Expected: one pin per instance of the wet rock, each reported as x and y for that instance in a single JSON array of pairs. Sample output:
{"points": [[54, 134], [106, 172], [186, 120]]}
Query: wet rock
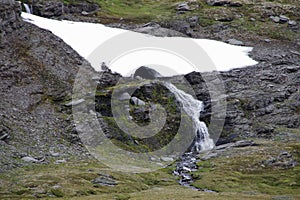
{"points": [[235, 42]]}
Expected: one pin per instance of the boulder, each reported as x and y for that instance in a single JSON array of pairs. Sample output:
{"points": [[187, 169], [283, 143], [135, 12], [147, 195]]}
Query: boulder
{"points": [[223, 3], [147, 73]]}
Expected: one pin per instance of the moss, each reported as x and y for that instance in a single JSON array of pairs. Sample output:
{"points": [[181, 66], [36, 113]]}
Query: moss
{"points": [[57, 192]]}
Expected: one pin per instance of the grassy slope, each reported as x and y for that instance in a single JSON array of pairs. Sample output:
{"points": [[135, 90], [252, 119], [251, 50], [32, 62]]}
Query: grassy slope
{"points": [[236, 174], [142, 11]]}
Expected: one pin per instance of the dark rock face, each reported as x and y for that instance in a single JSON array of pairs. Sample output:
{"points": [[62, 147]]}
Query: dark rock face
{"points": [[146, 73], [10, 16], [150, 94], [37, 71], [259, 99], [56, 9]]}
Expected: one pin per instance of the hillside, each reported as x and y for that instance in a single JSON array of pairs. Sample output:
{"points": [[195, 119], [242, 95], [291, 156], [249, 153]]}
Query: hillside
{"points": [[43, 156]]}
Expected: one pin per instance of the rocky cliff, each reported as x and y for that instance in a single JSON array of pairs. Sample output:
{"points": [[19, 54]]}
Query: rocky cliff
{"points": [[37, 72]]}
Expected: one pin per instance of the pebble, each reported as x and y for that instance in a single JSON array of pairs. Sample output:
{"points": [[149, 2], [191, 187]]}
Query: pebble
{"points": [[292, 23]]}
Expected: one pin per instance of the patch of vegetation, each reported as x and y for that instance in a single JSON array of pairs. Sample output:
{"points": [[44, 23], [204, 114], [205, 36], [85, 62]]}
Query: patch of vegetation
{"points": [[243, 173], [75, 179]]}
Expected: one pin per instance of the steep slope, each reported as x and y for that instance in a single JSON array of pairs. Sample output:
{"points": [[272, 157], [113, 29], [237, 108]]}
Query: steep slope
{"points": [[37, 71]]}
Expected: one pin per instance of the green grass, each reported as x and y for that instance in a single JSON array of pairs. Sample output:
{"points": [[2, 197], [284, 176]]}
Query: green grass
{"points": [[243, 173], [237, 174]]}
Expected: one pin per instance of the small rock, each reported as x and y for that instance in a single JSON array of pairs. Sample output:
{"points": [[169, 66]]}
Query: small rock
{"points": [[167, 159], [267, 40], [4, 136], [292, 23], [275, 19], [193, 21], [283, 18], [75, 102], [137, 101], [252, 19], [55, 154], [235, 42], [186, 177], [243, 143], [84, 13], [186, 169], [30, 159], [60, 161], [183, 7]]}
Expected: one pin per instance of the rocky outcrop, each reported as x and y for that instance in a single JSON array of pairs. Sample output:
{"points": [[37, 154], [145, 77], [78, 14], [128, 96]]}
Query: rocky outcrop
{"points": [[57, 9], [260, 99], [37, 72], [146, 73]]}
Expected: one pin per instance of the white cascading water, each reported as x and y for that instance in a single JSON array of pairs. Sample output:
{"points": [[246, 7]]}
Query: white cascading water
{"points": [[26, 6], [193, 107]]}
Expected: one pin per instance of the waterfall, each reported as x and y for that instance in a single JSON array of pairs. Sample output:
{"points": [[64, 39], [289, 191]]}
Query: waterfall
{"points": [[27, 8], [193, 107]]}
